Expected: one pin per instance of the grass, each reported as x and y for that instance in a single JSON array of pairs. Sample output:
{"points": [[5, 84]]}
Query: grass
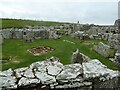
{"points": [[19, 23], [15, 50], [111, 53]]}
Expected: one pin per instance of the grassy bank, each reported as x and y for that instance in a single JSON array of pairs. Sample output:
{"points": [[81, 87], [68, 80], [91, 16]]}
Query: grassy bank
{"points": [[19, 23]]}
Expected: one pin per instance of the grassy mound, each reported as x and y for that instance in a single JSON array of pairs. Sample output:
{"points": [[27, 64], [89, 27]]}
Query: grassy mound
{"points": [[19, 23], [15, 51]]}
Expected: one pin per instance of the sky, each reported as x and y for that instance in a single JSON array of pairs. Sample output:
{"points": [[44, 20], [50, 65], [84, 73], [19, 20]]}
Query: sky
{"points": [[103, 12]]}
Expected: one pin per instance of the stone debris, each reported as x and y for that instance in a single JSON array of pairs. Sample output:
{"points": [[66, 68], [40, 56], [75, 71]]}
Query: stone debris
{"points": [[51, 72]]}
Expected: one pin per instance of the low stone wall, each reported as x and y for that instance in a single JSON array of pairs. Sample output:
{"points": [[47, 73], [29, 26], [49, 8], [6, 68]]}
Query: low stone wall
{"points": [[50, 74], [80, 35], [104, 50]]}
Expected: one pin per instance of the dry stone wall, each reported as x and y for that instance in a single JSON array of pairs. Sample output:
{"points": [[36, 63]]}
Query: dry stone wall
{"points": [[29, 34], [51, 74]]}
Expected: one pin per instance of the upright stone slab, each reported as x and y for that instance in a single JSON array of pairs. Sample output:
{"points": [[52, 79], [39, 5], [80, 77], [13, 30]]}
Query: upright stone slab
{"points": [[1, 39], [104, 50], [77, 57]]}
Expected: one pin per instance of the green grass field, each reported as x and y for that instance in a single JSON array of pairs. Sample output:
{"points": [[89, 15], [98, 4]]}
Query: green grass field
{"points": [[18, 23], [16, 49]]}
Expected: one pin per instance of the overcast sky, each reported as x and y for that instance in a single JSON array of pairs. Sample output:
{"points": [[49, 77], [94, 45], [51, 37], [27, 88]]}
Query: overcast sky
{"points": [[84, 11]]}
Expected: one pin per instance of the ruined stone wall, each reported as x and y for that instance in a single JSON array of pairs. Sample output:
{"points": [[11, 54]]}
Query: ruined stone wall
{"points": [[113, 41], [104, 50], [28, 34], [50, 74]]}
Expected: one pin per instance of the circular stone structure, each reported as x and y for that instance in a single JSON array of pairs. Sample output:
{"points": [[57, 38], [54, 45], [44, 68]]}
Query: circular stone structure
{"points": [[40, 50]]}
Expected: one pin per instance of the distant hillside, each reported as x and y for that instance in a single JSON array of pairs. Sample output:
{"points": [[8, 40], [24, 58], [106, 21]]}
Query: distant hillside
{"points": [[19, 23]]}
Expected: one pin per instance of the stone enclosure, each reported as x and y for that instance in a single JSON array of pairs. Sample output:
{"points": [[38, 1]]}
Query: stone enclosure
{"points": [[50, 73], [40, 50]]}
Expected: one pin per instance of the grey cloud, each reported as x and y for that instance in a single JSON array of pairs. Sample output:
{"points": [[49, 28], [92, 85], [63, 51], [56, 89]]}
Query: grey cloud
{"points": [[85, 12]]}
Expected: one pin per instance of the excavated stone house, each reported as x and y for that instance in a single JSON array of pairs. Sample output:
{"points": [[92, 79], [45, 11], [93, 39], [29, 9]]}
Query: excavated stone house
{"points": [[29, 34]]}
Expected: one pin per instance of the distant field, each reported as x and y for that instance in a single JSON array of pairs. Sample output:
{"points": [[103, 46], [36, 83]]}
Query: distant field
{"points": [[17, 50], [18, 23]]}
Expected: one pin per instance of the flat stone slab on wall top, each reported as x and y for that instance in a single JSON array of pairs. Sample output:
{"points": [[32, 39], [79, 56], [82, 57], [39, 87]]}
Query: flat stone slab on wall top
{"points": [[28, 81], [70, 72], [95, 68]]}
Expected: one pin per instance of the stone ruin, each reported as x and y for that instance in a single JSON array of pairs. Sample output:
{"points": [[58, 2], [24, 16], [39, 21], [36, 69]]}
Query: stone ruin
{"points": [[95, 32], [113, 41], [110, 33], [50, 74], [29, 34], [80, 35], [78, 57], [117, 55], [104, 50], [40, 50]]}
